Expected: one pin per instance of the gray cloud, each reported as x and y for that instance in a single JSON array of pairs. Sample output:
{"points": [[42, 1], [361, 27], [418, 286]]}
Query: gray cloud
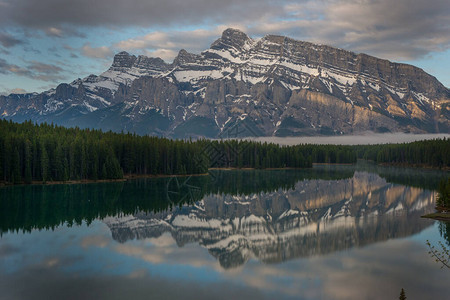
{"points": [[44, 68], [6, 250], [399, 30], [102, 52], [34, 70], [7, 68], [52, 13], [54, 51], [17, 91], [49, 281], [68, 47], [8, 41], [62, 32], [32, 49], [167, 44], [393, 29]]}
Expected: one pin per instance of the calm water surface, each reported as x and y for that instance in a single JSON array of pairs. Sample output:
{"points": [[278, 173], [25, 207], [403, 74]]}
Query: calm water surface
{"points": [[340, 232]]}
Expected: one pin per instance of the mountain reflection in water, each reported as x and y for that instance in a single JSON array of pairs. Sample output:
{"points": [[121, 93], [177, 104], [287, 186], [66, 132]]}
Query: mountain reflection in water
{"points": [[312, 217], [273, 215]]}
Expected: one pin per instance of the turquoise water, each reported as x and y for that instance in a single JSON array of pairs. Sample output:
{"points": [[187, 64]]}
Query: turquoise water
{"points": [[333, 232]]}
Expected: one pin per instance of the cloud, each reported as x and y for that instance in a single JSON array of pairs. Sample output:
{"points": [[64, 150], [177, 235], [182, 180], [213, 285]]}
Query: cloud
{"points": [[17, 91], [59, 32], [34, 70], [152, 257], [54, 51], [52, 13], [43, 68], [53, 31], [68, 47], [7, 250], [150, 40], [166, 45], [401, 29], [6, 68], [99, 241], [354, 274], [31, 49], [394, 30], [8, 41], [56, 283], [102, 52], [165, 54], [398, 30]]}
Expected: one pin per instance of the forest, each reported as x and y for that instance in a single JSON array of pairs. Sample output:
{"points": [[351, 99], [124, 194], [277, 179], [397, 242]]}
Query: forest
{"points": [[45, 152], [430, 153]]}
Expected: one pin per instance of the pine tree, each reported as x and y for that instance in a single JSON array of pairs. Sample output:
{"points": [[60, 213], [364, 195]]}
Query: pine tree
{"points": [[28, 175], [402, 295], [58, 163], [16, 178], [443, 199], [44, 163]]}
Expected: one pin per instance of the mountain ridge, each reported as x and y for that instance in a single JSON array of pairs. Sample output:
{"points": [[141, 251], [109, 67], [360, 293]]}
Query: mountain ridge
{"points": [[280, 86]]}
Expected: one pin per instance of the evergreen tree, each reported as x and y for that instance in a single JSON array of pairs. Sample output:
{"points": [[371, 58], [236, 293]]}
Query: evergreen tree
{"points": [[28, 174], [16, 172], [443, 199], [44, 163]]}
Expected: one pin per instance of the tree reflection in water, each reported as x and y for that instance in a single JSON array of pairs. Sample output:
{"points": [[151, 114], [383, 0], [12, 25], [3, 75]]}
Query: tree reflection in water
{"points": [[442, 253]]}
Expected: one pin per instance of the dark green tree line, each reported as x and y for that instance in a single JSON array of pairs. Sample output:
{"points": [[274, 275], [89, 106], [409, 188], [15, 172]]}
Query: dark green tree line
{"points": [[431, 153], [51, 153], [30, 152], [45, 152]]}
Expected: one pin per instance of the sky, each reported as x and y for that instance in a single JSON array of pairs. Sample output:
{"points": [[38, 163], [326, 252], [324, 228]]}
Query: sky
{"points": [[47, 42]]}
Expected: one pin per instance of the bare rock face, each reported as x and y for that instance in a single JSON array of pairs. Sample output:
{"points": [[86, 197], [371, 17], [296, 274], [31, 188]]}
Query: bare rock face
{"points": [[280, 86], [184, 58], [123, 60], [232, 39]]}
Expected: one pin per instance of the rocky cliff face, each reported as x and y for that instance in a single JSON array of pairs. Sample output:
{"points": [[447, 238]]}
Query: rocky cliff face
{"points": [[280, 86], [313, 218]]}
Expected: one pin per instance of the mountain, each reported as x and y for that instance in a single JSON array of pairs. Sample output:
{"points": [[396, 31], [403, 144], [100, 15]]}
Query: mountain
{"points": [[314, 217], [273, 86]]}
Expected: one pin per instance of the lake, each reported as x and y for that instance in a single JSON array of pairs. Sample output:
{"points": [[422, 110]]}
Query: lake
{"points": [[330, 232]]}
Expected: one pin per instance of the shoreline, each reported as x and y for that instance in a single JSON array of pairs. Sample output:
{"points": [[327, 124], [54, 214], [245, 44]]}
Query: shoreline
{"points": [[413, 166], [87, 181], [249, 169], [137, 176], [438, 216]]}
